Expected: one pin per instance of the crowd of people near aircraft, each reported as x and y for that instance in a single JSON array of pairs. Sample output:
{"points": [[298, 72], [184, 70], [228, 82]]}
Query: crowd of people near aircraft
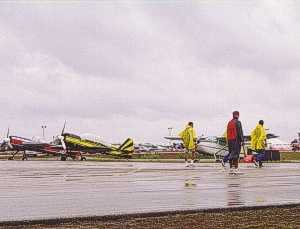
{"points": [[230, 145]]}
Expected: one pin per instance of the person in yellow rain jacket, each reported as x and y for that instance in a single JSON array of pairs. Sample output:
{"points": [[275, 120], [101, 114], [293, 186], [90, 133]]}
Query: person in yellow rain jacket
{"points": [[189, 138], [258, 143]]}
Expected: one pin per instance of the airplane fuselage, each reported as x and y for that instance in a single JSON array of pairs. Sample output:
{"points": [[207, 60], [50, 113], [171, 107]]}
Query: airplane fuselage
{"points": [[24, 144]]}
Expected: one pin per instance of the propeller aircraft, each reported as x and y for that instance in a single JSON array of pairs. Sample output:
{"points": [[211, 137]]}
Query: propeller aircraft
{"points": [[74, 143], [17, 144], [66, 145]]}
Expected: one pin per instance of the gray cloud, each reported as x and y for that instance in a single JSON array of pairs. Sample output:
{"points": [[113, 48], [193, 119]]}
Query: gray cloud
{"points": [[136, 68]]}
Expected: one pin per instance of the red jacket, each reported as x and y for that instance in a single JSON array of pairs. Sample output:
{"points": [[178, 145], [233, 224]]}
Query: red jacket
{"points": [[235, 130]]}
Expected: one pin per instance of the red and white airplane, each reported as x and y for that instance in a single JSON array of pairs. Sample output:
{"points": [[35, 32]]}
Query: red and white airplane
{"points": [[16, 144]]}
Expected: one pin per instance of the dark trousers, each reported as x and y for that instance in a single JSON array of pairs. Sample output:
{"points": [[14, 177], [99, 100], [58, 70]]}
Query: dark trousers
{"points": [[260, 156], [226, 158], [234, 147]]}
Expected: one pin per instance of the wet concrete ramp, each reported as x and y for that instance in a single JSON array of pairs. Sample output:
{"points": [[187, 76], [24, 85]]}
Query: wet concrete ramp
{"points": [[54, 189]]}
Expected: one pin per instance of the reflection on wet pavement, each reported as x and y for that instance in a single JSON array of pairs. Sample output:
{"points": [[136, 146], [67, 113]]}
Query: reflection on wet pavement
{"points": [[50, 189], [234, 197]]}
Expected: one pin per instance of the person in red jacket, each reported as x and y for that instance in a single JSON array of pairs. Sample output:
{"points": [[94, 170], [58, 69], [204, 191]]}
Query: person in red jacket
{"points": [[235, 138]]}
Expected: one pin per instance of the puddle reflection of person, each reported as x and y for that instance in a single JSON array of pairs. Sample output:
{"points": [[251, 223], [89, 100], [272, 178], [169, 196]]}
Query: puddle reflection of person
{"points": [[234, 194], [189, 195]]}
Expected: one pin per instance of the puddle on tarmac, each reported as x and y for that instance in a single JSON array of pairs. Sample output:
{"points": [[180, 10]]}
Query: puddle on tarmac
{"points": [[47, 189]]}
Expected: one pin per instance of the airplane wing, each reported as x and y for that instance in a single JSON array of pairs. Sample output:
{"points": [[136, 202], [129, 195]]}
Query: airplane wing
{"points": [[270, 136], [75, 142], [35, 144], [173, 138], [180, 139], [42, 147], [247, 138]]}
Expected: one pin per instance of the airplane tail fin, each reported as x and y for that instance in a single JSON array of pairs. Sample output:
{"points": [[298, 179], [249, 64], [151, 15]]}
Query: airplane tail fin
{"points": [[127, 148]]}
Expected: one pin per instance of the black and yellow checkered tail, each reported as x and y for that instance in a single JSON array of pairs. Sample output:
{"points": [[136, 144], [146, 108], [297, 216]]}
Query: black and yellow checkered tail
{"points": [[127, 148]]}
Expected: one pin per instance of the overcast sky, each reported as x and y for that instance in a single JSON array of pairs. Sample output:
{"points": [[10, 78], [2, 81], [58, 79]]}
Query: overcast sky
{"points": [[134, 68]]}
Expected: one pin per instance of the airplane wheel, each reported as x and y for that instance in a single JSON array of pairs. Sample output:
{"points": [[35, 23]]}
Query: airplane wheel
{"points": [[63, 158], [83, 158]]}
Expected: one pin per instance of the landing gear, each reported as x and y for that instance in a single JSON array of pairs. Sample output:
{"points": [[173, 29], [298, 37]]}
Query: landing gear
{"points": [[12, 157], [64, 157], [24, 156], [78, 157]]}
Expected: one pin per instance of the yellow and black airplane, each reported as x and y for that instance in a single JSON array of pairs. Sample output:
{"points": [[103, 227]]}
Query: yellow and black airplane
{"points": [[74, 145]]}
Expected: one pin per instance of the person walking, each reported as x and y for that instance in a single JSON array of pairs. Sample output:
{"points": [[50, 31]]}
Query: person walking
{"points": [[189, 138], [235, 139], [259, 143]]}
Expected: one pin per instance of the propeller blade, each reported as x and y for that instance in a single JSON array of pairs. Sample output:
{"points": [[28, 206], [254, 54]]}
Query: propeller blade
{"points": [[7, 135], [9, 145], [6, 143], [63, 129], [63, 145], [61, 138]]}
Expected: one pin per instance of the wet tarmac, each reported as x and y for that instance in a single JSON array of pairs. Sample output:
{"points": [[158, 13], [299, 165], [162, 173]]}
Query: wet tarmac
{"points": [[55, 189]]}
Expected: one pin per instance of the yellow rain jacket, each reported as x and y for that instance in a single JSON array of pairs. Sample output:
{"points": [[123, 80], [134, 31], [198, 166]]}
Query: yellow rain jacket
{"points": [[258, 138], [189, 138]]}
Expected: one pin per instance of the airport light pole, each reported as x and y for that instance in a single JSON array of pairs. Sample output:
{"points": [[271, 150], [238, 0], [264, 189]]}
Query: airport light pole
{"points": [[44, 127], [170, 131], [170, 135]]}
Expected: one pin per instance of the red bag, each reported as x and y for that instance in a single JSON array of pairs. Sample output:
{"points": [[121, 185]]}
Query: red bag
{"points": [[249, 159]]}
